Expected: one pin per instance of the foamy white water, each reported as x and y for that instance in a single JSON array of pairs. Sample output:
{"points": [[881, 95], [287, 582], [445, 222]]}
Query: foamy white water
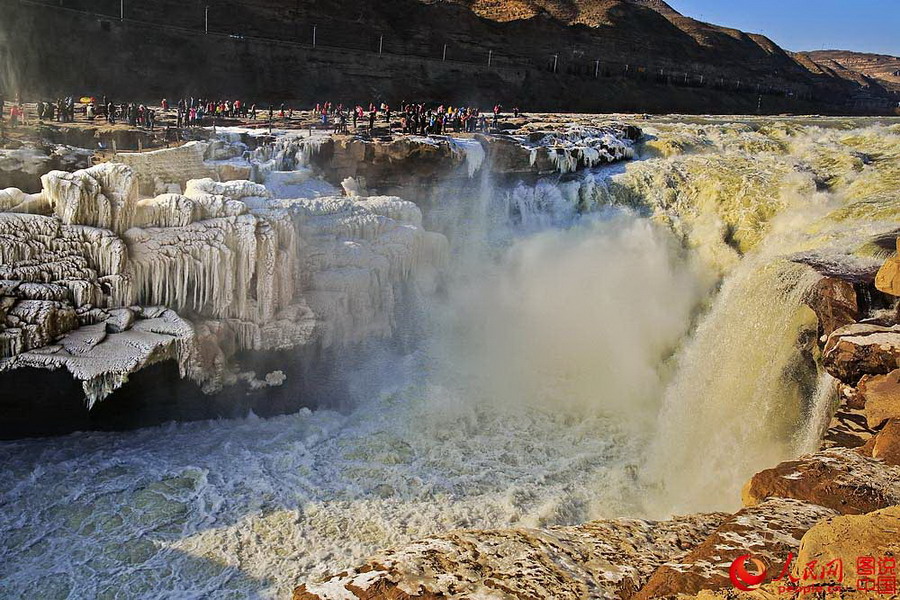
{"points": [[567, 377]]}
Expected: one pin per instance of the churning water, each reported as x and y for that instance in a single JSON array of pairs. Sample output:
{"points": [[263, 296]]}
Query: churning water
{"points": [[640, 359]]}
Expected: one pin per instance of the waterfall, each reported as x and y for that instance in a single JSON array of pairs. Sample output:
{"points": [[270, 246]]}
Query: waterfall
{"points": [[621, 342]]}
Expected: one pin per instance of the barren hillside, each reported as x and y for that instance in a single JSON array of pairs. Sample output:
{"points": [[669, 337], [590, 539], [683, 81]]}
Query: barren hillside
{"points": [[884, 69]]}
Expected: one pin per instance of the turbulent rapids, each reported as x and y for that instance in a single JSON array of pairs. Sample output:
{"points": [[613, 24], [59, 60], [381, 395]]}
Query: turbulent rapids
{"points": [[625, 340]]}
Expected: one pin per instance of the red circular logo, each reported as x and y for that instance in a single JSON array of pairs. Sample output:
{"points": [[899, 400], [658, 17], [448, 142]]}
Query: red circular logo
{"points": [[741, 578]]}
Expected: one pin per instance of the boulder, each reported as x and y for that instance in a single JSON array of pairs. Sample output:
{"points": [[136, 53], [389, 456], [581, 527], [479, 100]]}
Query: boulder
{"points": [[602, 559], [768, 532], [885, 446], [861, 349], [888, 278], [848, 429], [882, 395], [847, 538], [834, 302], [840, 478]]}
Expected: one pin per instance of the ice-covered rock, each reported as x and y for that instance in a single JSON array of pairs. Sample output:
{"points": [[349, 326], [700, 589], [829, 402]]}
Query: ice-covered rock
{"points": [[15, 200], [103, 362], [104, 196], [158, 169], [252, 272]]}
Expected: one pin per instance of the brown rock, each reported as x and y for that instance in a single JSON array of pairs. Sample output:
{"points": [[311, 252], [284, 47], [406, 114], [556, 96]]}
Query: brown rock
{"points": [[882, 396], [848, 429], [846, 538], [839, 478], [834, 302], [855, 398], [602, 559], [861, 349], [888, 278], [886, 445], [768, 531]]}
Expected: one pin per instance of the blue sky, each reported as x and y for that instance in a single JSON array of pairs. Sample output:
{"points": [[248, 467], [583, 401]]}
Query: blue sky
{"points": [[861, 25]]}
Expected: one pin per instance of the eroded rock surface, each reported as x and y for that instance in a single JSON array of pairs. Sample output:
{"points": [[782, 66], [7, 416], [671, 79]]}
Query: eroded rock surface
{"points": [[888, 278], [834, 302], [841, 479], [768, 531], [847, 538], [862, 349], [602, 559], [882, 398]]}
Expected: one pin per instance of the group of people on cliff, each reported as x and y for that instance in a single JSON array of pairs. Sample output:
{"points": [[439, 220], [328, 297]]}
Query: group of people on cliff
{"points": [[196, 112], [414, 118], [62, 110], [411, 118]]}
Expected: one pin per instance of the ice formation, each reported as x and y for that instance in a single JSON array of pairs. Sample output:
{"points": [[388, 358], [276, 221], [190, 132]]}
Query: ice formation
{"points": [[580, 147], [79, 261]]}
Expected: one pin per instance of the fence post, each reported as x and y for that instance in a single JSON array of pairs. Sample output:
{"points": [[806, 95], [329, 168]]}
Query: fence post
{"points": [[490, 57], [206, 19], [597, 70], [121, 10], [444, 58], [555, 62], [314, 35], [381, 45]]}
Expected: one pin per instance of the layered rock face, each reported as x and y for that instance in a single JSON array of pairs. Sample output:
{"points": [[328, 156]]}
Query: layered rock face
{"points": [[94, 276]]}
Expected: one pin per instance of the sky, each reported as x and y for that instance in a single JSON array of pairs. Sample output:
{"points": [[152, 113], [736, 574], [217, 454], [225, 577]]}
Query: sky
{"points": [[860, 25]]}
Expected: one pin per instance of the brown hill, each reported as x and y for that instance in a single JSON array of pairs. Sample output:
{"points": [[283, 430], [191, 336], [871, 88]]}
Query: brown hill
{"points": [[858, 66]]}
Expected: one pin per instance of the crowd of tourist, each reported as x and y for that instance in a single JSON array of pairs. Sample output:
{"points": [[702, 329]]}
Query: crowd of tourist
{"points": [[413, 118], [188, 112]]}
